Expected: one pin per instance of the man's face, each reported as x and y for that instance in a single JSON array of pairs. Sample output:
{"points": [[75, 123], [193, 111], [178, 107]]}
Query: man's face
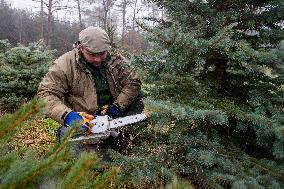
{"points": [[94, 58]]}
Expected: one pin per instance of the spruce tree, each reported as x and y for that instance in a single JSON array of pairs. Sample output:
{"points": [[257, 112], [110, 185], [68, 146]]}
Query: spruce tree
{"points": [[215, 97], [21, 70]]}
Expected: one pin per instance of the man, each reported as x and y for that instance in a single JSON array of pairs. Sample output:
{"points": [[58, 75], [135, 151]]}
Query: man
{"points": [[83, 81]]}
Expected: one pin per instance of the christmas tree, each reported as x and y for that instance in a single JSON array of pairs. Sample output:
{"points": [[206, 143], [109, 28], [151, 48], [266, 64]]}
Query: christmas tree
{"points": [[215, 93], [22, 68]]}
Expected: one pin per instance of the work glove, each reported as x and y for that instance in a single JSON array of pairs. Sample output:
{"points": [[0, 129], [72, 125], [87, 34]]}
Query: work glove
{"points": [[83, 118], [114, 111]]}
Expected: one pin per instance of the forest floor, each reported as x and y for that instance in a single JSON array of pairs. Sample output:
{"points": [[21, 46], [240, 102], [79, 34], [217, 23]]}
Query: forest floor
{"points": [[37, 134]]}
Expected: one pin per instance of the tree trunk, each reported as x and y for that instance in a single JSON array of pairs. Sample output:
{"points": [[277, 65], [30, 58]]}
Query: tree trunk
{"points": [[154, 11], [79, 12], [134, 15], [220, 72], [105, 5], [21, 28], [123, 20], [109, 20], [41, 20], [49, 21]]}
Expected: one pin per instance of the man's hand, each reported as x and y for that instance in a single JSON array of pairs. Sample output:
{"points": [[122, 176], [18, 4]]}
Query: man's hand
{"points": [[83, 118], [114, 111]]}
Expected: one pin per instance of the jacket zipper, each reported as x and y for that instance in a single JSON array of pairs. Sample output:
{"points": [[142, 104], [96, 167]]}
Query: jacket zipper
{"points": [[91, 78], [114, 82]]}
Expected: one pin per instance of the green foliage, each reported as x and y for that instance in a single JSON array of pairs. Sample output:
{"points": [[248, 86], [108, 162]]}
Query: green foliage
{"points": [[22, 68], [280, 54], [50, 126], [4, 46], [258, 22], [215, 96], [56, 169], [178, 184]]}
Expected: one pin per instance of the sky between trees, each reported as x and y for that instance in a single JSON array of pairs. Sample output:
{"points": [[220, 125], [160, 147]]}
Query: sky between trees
{"points": [[142, 10]]}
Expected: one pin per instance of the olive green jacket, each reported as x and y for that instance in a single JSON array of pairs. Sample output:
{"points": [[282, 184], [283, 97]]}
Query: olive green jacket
{"points": [[68, 86]]}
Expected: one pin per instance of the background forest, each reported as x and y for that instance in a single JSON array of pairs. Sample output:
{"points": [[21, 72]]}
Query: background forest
{"points": [[213, 81]]}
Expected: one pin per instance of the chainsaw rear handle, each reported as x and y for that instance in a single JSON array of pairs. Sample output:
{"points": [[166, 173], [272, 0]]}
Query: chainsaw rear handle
{"points": [[111, 110]]}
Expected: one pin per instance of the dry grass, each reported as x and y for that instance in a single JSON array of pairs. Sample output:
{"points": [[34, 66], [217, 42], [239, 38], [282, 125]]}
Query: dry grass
{"points": [[38, 134]]}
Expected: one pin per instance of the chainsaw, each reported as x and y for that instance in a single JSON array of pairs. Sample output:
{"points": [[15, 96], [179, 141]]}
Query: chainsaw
{"points": [[103, 126]]}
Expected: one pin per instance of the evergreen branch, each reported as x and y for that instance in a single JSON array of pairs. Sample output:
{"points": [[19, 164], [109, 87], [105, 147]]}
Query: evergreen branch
{"points": [[201, 181], [256, 60], [267, 169], [224, 35], [34, 109], [78, 170], [106, 178], [66, 139], [210, 146], [6, 160], [225, 154], [23, 181], [160, 36], [182, 44], [76, 180]]}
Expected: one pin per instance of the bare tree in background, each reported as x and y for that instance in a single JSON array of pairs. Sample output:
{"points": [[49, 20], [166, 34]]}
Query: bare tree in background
{"points": [[24, 31], [107, 4], [102, 11], [123, 7], [152, 11], [52, 6], [79, 14], [155, 11], [134, 15], [21, 27], [41, 20], [100, 14]]}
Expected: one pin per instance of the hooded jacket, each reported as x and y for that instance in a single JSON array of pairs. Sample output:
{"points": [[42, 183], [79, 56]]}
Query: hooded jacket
{"points": [[68, 86]]}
